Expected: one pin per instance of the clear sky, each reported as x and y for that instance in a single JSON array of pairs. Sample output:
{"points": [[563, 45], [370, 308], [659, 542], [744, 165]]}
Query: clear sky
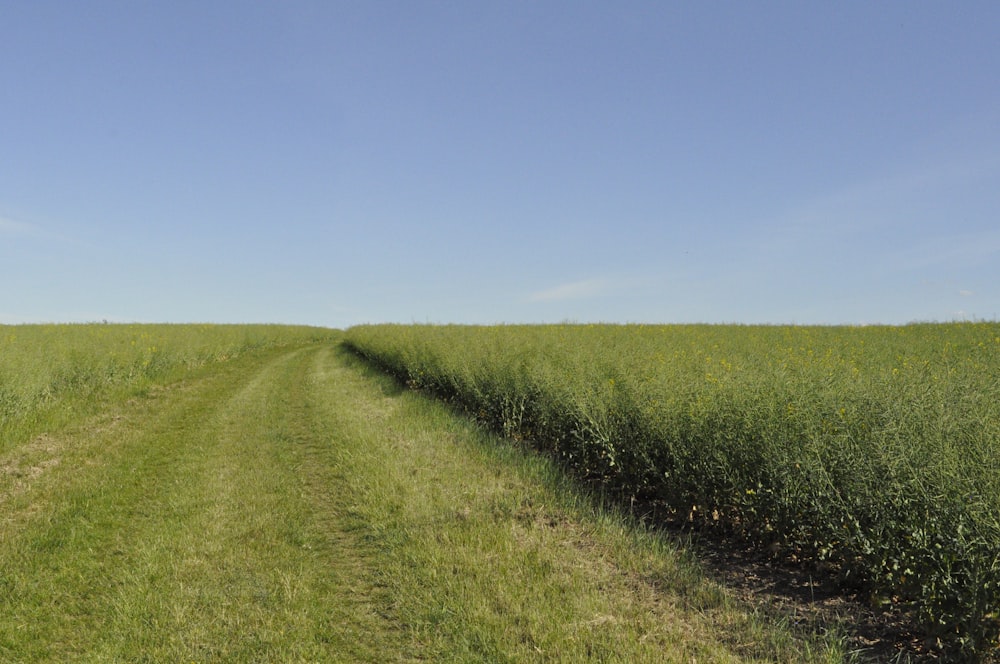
{"points": [[335, 163]]}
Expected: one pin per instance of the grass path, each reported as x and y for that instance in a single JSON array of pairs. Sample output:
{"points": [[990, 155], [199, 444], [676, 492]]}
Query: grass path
{"points": [[292, 506]]}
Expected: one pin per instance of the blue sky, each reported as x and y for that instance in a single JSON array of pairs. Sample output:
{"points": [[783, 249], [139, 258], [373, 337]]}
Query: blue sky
{"points": [[335, 163]]}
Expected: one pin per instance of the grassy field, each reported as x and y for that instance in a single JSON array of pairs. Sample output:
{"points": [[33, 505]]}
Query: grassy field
{"points": [[265, 496], [48, 372], [873, 451]]}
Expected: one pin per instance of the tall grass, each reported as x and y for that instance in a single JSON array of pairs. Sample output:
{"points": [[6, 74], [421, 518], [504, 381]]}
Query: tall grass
{"points": [[45, 368], [874, 449]]}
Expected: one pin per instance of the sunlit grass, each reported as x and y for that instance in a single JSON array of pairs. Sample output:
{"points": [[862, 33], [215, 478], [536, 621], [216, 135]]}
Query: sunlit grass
{"points": [[55, 370]]}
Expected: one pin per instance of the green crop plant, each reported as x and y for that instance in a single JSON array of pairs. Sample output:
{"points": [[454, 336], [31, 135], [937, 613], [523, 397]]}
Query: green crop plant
{"points": [[873, 449]]}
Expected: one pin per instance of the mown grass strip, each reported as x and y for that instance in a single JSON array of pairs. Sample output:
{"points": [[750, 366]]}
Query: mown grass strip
{"points": [[52, 374], [187, 532]]}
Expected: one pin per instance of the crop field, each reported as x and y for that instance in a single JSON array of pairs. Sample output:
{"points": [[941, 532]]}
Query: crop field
{"points": [[205, 493], [48, 370], [871, 451]]}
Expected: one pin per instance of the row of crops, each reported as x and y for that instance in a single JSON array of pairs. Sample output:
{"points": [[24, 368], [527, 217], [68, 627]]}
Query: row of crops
{"points": [[873, 449], [45, 365]]}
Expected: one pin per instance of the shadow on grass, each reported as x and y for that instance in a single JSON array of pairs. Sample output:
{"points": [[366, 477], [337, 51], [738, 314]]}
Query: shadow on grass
{"points": [[389, 388]]}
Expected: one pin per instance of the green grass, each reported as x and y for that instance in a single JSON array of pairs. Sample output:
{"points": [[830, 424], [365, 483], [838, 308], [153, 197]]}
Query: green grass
{"points": [[290, 505], [177, 529], [874, 450], [51, 373]]}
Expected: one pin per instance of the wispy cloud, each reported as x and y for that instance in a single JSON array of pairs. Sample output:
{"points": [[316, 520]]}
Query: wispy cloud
{"points": [[11, 227], [905, 201], [576, 290], [591, 288], [958, 250]]}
